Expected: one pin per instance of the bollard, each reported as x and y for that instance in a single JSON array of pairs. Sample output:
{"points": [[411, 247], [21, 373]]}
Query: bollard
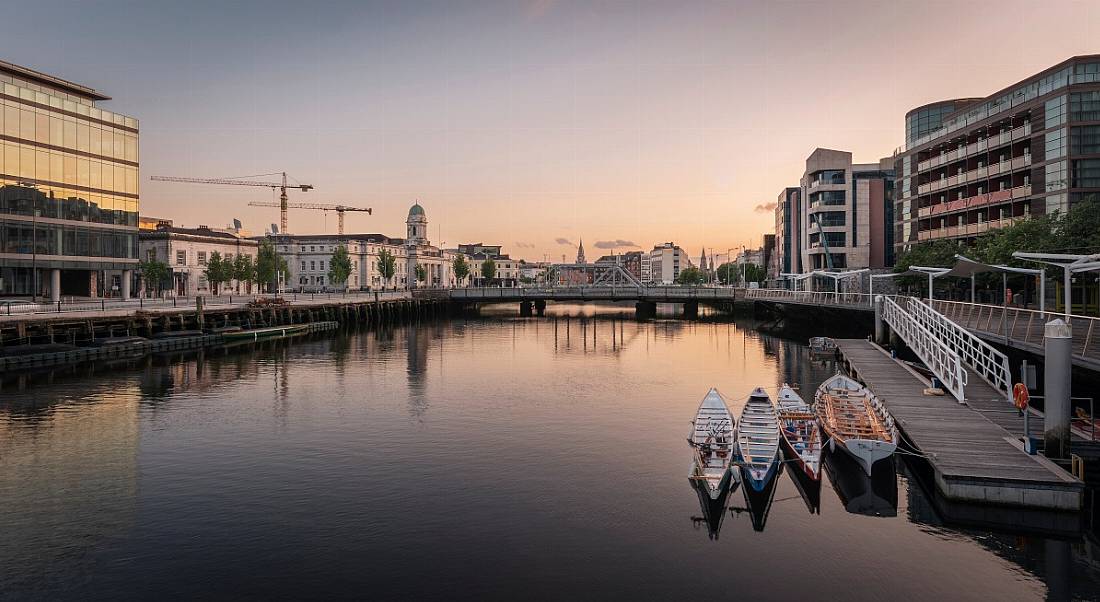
{"points": [[1057, 368]]}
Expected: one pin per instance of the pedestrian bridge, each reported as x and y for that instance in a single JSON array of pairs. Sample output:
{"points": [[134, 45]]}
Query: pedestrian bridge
{"points": [[651, 294]]}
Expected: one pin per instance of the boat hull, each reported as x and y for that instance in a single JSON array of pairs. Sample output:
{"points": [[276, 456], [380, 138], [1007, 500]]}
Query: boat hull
{"points": [[789, 452], [756, 477], [868, 451]]}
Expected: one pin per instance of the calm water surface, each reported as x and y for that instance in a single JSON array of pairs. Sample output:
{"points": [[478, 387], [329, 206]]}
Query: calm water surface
{"points": [[493, 457]]}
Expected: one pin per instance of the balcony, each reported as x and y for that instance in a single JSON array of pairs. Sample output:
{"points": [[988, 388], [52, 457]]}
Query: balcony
{"points": [[974, 148], [966, 229], [980, 200]]}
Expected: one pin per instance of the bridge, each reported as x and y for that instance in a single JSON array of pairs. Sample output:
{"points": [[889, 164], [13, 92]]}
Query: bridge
{"points": [[645, 297]]}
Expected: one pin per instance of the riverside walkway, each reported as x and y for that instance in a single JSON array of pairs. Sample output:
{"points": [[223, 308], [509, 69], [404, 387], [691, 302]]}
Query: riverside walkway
{"points": [[975, 459]]}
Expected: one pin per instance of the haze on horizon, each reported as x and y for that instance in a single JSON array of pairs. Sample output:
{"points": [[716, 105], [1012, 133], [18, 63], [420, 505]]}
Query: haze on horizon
{"points": [[530, 122]]}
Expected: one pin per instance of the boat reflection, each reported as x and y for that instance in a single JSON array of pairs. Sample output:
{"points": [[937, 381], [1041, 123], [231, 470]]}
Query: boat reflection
{"points": [[713, 510], [809, 489], [860, 494], [759, 503]]}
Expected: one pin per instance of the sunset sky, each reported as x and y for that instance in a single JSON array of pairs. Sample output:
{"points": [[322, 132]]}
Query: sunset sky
{"points": [[528, 123]]}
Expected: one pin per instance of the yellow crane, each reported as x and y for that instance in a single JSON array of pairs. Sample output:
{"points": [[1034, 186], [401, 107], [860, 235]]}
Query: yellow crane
{"points": [[281, 187], [339, 209]]}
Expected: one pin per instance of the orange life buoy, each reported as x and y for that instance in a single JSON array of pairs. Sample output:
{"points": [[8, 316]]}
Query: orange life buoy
{"points": [[1020, 396]]}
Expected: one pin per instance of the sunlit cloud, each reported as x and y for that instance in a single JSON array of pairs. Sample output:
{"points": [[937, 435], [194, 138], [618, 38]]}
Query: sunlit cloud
{"points": [[764, 207], [525, 245], [614, 244], [565, 241]]}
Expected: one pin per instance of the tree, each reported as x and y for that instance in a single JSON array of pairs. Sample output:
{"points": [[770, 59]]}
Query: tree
{"points": [[339, 266], [217, 271], [387, 264], [421, 273], [729, 273], [244, 271], [489, 270], [461, 268], [691, 275], [755, 273], [155, 273], [268, 265]]}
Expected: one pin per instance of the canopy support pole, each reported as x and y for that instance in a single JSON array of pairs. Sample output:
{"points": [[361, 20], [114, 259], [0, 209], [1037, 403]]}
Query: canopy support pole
{"points": [[973, 299], [1043, 294]]}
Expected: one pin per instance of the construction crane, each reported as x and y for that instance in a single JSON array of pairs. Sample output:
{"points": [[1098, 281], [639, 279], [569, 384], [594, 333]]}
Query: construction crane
{"points": [[339, 209], [281, 187]]}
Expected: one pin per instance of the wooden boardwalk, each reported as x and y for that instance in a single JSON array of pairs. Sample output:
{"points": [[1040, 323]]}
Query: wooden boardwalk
{"points": [[974, 457]]}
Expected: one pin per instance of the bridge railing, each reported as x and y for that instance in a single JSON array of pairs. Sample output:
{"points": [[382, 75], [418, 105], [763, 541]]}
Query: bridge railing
{"points": [[987, 362], [651, 293], [1018, 325], [814, 297], [941, 359], [17, 308]]}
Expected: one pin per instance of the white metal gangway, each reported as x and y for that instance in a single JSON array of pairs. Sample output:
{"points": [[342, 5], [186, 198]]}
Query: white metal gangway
{"points": [[986, 361], [940, 358]]}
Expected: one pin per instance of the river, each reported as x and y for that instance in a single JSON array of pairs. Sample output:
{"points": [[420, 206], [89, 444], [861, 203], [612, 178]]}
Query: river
{"points": [[485, 457]]}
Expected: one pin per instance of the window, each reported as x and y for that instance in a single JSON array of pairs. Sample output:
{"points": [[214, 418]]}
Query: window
{"points": [[151, 254], [830, 218], [303, 266], [181, 257], [1056, 143], [827, 197], [1084, 106], [1084, 140], [322, 265], [202, 257], [1086, 173], [313, 265], [1056, 112], [1056, 176]]}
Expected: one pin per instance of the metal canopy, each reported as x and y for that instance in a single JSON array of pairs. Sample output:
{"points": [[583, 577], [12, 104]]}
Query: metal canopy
{"points": [[967, 268], [1070, 263]]}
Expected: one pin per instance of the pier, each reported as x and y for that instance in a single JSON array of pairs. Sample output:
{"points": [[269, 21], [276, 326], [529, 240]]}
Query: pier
{"points": [[974, 457]]}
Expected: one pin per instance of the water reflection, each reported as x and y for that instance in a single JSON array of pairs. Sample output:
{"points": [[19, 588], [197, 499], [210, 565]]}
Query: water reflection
{"points": [[759, 503], [809, 489], [713, 511], [876, 495]]}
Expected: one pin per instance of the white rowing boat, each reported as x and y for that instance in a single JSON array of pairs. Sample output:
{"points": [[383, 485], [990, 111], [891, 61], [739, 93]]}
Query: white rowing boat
{"points": [[822, 346], [853, 418], [758, 439], [712, 440], [798, 425]]}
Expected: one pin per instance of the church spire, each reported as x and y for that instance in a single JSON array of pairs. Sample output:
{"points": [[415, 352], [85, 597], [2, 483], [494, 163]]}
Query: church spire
{"points": [[580, 252]]}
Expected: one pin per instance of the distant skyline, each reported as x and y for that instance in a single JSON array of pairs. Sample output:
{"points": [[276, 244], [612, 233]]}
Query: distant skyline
{"points": [[530, 124]]}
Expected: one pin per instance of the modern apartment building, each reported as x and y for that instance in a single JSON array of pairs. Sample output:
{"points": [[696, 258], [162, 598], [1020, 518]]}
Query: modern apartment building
{"points": [[973, 164], [665, 263], [846, 218], [788, 239], [68, 189]]}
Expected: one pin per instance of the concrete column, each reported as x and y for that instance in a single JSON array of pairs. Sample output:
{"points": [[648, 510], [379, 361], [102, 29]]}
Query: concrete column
{"points": [[691, 309], [642, 310], [1058, 350], [55, 285], [540, 307], [882, 330], [126, 276], [525, 309]]}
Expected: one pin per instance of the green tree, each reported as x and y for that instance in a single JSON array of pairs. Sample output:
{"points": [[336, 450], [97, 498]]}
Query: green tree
{"points": [[489, 270], [755, 273], [244, 271], [421, 273], [339, 266], [269, 265], [461, 268], [690, 275], [729, 273], [387, 264], [154, 273], [217, 271]]}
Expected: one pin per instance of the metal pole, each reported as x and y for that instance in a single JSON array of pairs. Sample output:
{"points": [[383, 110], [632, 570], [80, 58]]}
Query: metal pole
{"points": [[1058, 349], [930, 296], [1066, 296], [1042, 294], [882, 333], [973, 299]]}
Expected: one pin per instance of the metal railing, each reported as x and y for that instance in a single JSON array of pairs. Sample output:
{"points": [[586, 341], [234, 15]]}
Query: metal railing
{"points": [[687, 293], [988, 363], [943, 361], [815, 297], [1015, 325]]}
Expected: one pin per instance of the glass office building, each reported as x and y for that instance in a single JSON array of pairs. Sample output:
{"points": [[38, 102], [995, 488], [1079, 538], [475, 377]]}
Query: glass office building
{"points": [[68, 189]]}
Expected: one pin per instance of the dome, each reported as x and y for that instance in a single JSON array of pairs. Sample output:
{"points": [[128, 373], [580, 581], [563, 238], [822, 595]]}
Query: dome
{"points": [[416, 210]]}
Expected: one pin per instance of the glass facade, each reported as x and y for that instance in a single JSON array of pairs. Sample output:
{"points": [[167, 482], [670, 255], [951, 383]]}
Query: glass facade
{"points": [[922, 121], [68, 186]]}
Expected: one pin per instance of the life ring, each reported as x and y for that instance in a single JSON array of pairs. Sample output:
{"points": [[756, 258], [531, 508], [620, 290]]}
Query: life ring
{"points": [[1020, 397]]}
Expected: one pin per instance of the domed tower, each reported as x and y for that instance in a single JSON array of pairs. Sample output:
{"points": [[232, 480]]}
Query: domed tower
{"points": [[417, 233]]}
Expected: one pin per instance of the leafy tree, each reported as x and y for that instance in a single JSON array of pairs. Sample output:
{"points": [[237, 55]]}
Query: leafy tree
{"points": [[268, 265], [729, 273], [244, 271], [489, 269], [217, 271], [387, 264], [460, 267], [421, 273], [755, 273], [691, 275], [339, 266], [155, 273]]}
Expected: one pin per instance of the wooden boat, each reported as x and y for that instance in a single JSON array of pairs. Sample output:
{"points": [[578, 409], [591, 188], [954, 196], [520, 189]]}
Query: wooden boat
{"points": [[712, 439], [801, 437], [758, 440], [822, 347], [854, 419], [256, 334]]}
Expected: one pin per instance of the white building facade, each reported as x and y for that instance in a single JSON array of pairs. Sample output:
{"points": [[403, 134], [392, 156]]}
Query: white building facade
{"points": [[187, 253], [664, 264]]}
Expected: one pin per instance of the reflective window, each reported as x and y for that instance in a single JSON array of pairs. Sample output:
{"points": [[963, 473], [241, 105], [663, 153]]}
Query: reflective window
{"points": [[1086, 173], [1055, 112], [1056, 143], [1056, 176]]}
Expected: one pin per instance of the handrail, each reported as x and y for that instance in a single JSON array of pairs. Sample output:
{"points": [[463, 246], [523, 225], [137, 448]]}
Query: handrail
{"points": [[943, 361], [815, 297], [1016, 325], [989, 363]]}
